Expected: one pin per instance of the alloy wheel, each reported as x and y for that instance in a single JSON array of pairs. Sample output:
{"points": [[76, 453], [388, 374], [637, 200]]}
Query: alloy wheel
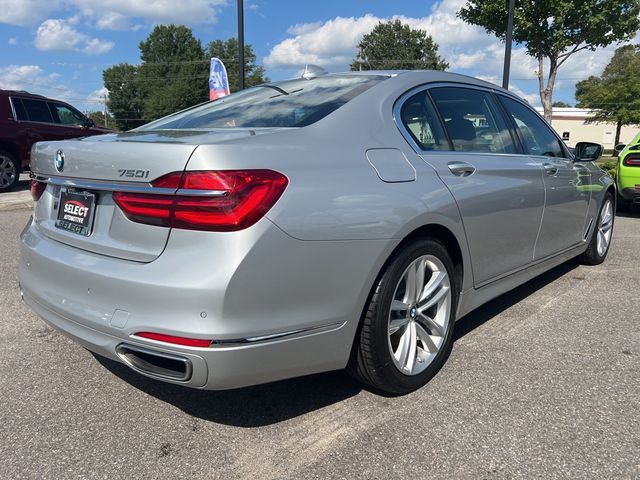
{"points": [[605, 228], [7, 172], [419, 315]]}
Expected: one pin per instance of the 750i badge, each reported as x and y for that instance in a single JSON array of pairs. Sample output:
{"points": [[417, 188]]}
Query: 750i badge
{"points": [[75, 212]]}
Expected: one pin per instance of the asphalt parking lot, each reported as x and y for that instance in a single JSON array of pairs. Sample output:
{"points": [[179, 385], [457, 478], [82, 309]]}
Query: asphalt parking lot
{"points": [[543, 382]]}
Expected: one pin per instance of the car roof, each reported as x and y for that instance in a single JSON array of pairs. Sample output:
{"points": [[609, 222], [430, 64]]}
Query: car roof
{"points": [[426, 76], [24, 93]]}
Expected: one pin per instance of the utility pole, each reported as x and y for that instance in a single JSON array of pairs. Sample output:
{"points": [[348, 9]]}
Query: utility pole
{"points": [[241, 44], [104, 109], [507, 46]]}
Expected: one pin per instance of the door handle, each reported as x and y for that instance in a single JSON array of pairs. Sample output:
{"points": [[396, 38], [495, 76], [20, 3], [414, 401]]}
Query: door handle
{"points": [[550, 169], [461, 169]]}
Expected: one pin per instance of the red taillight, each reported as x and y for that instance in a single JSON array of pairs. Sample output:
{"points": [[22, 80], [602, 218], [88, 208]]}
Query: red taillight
{"points": [[221, 200], [188, 342], [632, 161], [37, 189]]}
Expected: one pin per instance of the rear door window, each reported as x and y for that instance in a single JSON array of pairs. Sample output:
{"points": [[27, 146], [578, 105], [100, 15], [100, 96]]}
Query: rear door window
{"points": [[21, 113], [421, 121], [537, 137], [472, 120], [37, 111]]}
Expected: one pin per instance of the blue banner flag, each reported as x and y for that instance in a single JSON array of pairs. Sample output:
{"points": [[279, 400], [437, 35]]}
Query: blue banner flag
{"points": [[218, 81]]}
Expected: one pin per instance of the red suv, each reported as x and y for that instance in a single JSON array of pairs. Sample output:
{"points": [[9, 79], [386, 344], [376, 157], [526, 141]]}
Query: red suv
{"points": [[25, 119]]}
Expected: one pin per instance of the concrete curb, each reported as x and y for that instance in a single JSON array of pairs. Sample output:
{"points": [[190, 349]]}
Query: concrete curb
{"points": [[15, 200]]}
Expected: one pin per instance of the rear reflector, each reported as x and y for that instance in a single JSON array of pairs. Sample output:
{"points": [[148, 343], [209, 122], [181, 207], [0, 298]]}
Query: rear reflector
{"points": [[224, 200], [37, 189], [188, 342]]}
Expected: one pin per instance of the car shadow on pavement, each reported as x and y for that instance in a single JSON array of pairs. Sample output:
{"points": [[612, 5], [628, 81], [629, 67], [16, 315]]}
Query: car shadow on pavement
{"points": [[251, 406], [633, 212], [486, 312], [279, 401]]}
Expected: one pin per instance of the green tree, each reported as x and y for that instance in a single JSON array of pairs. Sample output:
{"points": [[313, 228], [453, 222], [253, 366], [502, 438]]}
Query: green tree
{"points": [[227, 51], [99, 119], [555, 30], [173, 73], [396, 46], [615, 95], [126, 99], [561, 104]]}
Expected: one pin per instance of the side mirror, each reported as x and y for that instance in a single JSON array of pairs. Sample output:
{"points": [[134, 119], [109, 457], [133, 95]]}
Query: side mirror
{"points": [[88, 123], [618, 148], [587, 152]]}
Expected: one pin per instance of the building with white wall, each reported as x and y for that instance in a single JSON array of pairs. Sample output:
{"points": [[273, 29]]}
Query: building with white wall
{"points": [[572, 125]]}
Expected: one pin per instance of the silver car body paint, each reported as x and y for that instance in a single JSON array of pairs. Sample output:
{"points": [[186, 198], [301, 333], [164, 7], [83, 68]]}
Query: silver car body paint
{"points": [[284, 297]]}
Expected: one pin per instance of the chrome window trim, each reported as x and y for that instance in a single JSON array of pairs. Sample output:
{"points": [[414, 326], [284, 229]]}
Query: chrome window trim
{"points": [[397, 106], [13, 110], [130, 187]]}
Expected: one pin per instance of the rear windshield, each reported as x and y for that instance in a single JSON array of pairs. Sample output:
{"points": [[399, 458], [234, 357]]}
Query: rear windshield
{"points": [[292, 103]]}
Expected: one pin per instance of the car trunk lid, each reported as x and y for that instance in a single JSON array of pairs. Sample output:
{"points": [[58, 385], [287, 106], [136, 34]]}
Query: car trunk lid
{"points": [[94, 168]]}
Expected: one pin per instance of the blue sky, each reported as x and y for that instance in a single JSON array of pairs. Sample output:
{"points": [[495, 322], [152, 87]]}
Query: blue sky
{"points": [[60, 47]]}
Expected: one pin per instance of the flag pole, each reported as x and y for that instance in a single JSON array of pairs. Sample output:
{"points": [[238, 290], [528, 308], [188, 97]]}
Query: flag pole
{"points": [[241, 44]]}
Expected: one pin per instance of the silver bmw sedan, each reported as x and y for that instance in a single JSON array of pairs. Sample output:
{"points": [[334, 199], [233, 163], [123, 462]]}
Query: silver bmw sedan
{"points": [[337, 221]]}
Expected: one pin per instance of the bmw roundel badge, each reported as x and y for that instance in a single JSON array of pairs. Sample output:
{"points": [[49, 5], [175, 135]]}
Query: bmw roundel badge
{"points": [[59, 161]]}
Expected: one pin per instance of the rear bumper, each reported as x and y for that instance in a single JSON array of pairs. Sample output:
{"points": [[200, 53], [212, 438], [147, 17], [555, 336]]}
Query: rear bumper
{"points": [[213, 369], [275, 307], [630, 194]]}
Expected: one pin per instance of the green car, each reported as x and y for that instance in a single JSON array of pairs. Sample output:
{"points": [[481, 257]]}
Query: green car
{"points": [[628, 177]]}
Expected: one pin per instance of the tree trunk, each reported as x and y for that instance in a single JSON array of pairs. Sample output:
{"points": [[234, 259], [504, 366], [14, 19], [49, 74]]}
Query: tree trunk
{"points": [[546, 92], [617, 140]]}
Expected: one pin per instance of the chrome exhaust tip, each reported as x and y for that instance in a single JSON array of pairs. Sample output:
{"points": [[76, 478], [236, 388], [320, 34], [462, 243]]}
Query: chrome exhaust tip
{"points": [[155, 364]]}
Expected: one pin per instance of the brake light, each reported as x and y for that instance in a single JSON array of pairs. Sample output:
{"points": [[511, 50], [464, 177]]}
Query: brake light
{"points": [[37, 189], [632, 161], [224, 200], [161, 337]]}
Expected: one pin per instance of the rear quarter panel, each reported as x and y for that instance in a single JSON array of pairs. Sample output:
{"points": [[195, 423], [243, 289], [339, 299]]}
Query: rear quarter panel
{"points": [[334, 193]]}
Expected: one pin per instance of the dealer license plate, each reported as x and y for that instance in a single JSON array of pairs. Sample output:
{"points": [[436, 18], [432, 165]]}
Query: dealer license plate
{"points": [[76, 211]]}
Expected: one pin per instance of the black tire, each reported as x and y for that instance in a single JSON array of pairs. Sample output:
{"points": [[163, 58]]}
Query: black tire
{"points": [[371, 359], [591, 256], [623, 205], [9, 171]]}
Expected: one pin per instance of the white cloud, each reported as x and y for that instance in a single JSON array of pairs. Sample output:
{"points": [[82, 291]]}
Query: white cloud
{"points": [[94, 46], [13, 41], [120, 14], [113, 14], [302, 28], [98, 96], [467, 48], [332, 43], [33, 79], [60, 34], [26, 12], [112, 21]]}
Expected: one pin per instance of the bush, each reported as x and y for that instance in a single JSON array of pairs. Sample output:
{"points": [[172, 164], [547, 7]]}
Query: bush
{"points": [[610, 167]]}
